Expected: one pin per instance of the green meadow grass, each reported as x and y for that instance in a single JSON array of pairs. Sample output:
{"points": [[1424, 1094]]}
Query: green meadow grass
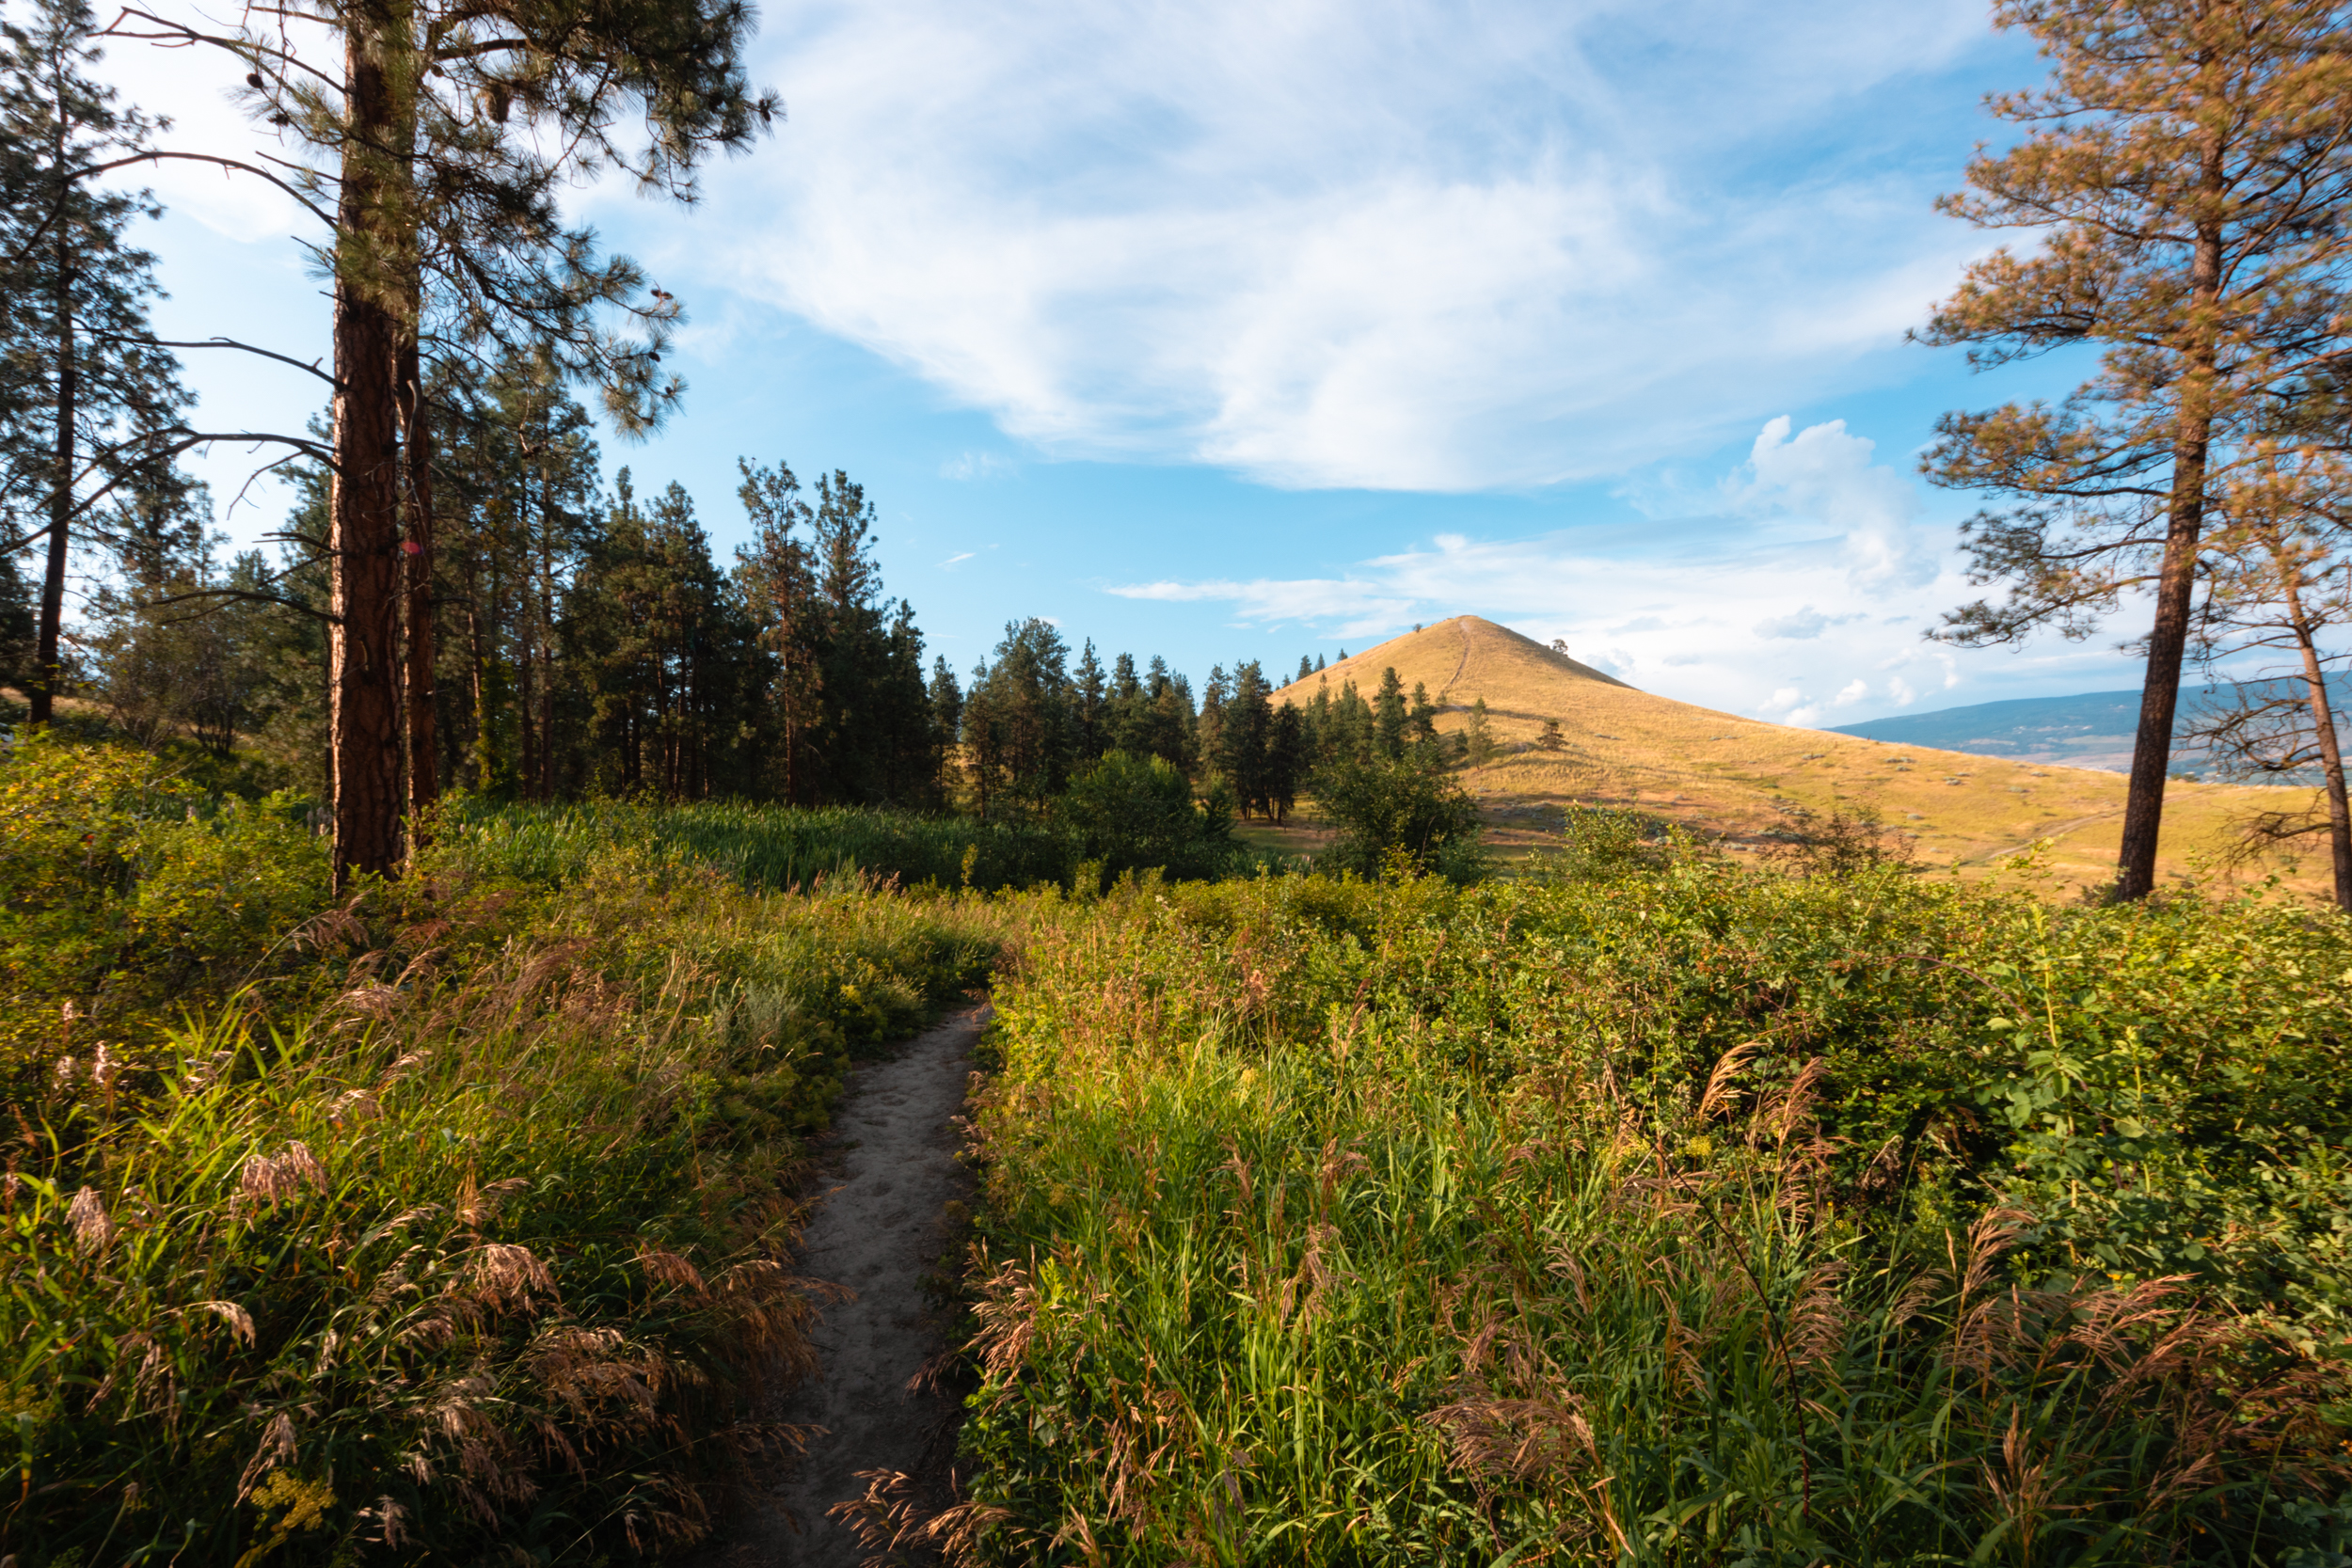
{"points": [[771, 847], [448, 1222], [1663, 1214]]}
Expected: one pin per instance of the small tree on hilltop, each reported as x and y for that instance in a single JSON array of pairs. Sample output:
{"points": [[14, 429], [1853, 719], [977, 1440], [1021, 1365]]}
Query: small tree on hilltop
{"points": [[1390, 716]]}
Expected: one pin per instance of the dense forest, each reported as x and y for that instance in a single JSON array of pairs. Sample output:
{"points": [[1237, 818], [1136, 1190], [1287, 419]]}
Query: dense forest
{"points": [[560, 636]]}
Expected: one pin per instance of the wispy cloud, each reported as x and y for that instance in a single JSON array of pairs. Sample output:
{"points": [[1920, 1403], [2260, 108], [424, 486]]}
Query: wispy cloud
{"points": [[960, 556], [977, 465], [1415, 248]]}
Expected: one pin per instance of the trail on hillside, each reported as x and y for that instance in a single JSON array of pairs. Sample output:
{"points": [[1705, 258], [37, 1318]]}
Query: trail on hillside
{"points": [[877, 1230], [1446, 691]]}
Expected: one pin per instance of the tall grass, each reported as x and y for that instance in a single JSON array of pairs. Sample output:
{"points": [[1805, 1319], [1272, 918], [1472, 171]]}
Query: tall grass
{"points": [[1677, 1216], [464, 1237], [773, 848]]}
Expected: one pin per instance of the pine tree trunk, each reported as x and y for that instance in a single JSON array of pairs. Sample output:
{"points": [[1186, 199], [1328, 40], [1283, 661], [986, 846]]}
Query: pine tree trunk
{"points": [[424, 757], [475, 673], [48, 670], [364, 508], [2330, 752], [545, 634], [2167, 640]]}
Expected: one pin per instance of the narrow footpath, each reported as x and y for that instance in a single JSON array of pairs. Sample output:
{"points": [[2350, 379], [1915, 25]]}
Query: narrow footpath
{"points": [[877, 1230]]}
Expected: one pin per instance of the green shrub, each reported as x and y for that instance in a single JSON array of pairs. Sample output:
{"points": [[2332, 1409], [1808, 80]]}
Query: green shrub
{"points": [[1135, 813], [1404, 808], [128, 895], [1669, 1212]]}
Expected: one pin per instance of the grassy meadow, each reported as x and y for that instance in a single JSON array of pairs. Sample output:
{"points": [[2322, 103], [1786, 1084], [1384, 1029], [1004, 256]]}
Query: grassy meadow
{"points": [[1657, 1211], [1647, 1207], [448, 1222]]}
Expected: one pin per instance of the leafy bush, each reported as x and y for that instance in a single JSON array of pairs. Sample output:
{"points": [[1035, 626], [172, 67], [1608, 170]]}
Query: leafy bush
{"points": [[1390, 808], [1134, 812], [1668, 1213], [127, 894]]}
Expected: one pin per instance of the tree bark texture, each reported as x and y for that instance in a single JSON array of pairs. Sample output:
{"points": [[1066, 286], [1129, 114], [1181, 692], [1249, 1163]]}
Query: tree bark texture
{"points": [[364, 510], [425, 757], [48, 670], [2330, 752]]}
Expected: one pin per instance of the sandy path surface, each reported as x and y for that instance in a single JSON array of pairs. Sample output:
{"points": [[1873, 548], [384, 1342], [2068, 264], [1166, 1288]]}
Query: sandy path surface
{"points": [[877, 1230]]}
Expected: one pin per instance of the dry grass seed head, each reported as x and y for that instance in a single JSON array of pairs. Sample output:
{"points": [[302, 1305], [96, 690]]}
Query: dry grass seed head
{"points": [[236, 1317], [476, 1206], [504, 1275], [87, 1216], [266, 1182], [1006, 1314], [1719, 1081], [277, 1448]]}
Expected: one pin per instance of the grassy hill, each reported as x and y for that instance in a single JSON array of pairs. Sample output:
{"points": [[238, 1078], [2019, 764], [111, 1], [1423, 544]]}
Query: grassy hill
{"points": [[1721, 773]]}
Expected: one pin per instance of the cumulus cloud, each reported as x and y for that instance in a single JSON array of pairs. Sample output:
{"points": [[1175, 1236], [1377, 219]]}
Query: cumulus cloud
{"points": [[1718, 611], [1826, 473]]}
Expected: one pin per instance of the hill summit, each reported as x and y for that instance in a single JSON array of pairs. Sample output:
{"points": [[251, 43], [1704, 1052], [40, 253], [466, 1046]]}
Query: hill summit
{"points": [[1724, 775]]}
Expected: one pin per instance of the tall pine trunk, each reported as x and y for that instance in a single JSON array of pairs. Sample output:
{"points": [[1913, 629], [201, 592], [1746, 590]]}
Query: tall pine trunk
{"points": [[2167, 639], [47, 666], [363, 540], [425, 755], [545, 639]]}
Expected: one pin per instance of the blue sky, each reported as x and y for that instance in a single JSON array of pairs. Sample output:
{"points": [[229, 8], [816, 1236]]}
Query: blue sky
{"points": [[1222, 329]]}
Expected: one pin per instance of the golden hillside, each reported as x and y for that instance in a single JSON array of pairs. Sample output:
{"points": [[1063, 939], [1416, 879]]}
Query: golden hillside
{"points": [[1720, 773]]}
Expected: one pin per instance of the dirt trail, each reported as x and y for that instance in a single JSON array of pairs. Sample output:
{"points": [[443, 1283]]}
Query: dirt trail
{"points": [[877, 1230]]}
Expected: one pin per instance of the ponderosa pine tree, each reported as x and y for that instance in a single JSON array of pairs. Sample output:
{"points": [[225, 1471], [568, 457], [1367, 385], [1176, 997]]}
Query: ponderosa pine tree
{"points": [[1245, 734], [2188, 171], [1088, 697], [16, 622], [1016, 718], [1390, 716], [441, 138], [777, 572], [88, 401], [657, 635], [1478, 736], [1288, 750]]}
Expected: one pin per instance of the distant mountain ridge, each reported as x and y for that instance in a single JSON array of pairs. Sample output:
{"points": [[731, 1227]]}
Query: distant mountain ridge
{"points": [[2092, 730]]}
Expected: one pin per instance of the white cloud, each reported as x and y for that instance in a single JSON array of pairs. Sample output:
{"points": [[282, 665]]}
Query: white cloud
{"points": [[976, 465], [1415, 248], [1826, 474], [953, 559], [1697, 609], [1804, 626]]}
